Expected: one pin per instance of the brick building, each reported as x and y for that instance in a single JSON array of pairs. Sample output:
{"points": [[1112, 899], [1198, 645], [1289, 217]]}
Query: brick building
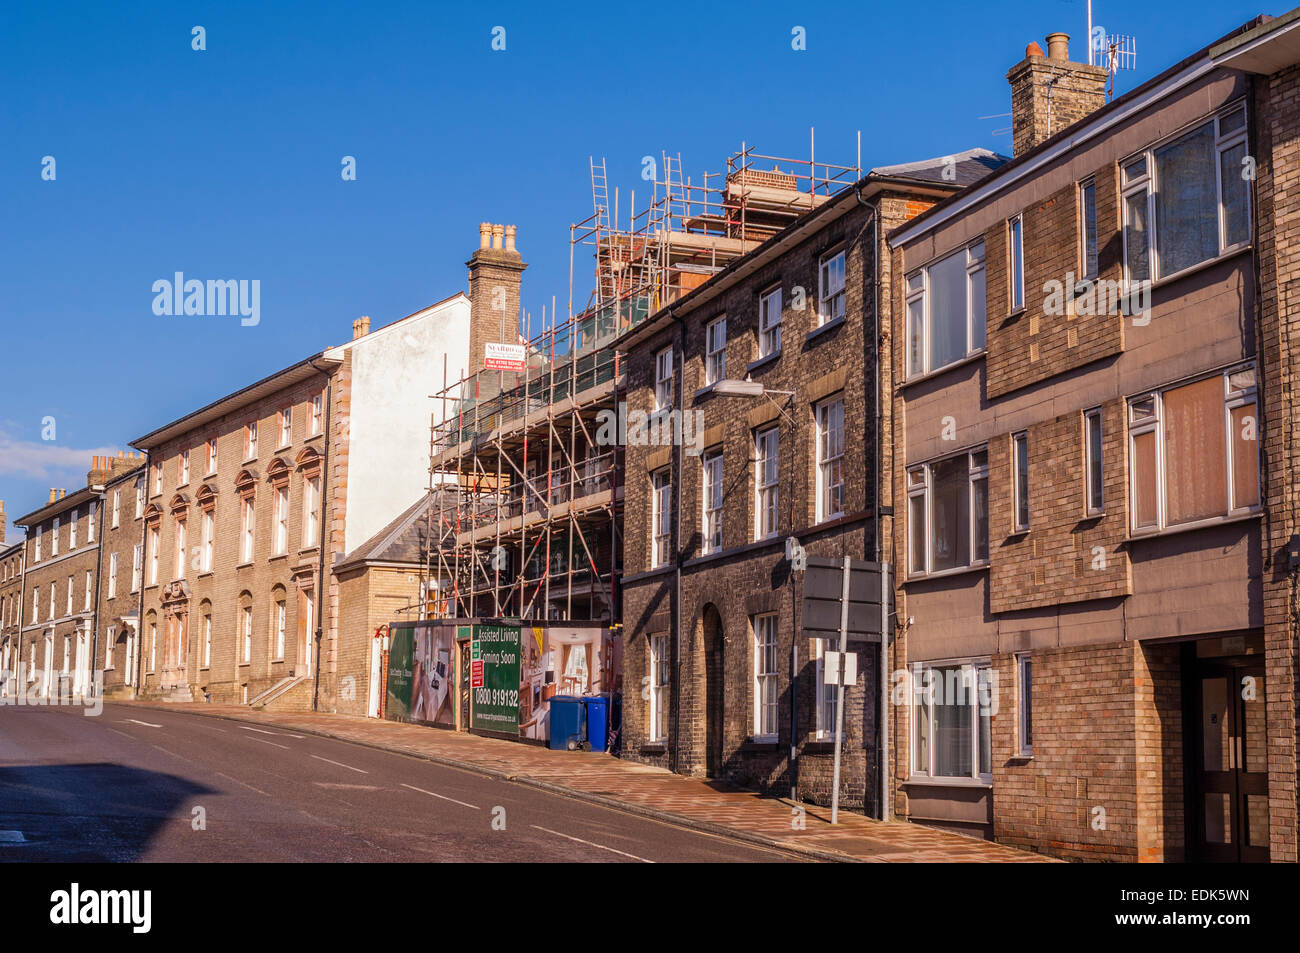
{"points": [[1092, 541], [11, 604], [711, 607], [121, 571]]}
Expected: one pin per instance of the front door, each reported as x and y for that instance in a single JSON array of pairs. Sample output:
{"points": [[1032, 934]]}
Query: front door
{"points": [[1230, 785]]}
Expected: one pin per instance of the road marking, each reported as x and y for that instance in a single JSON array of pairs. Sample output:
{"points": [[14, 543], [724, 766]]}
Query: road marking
{"points": [[273, 744], [443, 796], [334, 786], [12, 837], [122, 733], [339, 763], [147, 724], [237, 781], [590, 844], [261, 731]]}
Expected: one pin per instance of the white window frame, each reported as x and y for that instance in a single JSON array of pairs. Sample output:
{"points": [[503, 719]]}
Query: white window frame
{"points": [[54, 538], [923, 695], [664, 379], [85, 606], [920, 485], [661, 490], [830, 459], [286, 426], [212, 455], [832, 285], [110, 637], [766, 667], [715, 350], [112, 576], [1025, 704], [769, 322], [1088, 185], [182, 541], [660, 676], [247, 529], [250, 440], [246, 638], [1020, 496], [207, 640], [72, 585], [117, 507], [767, 481], [157, 478], [311, 512], [282, 519], [317, 412], [1233, 399], [917, 290], [1146, 183], [209, 539], [281, 621], [137, 567], [92, 509], [185, 467], [72, 529], [711, 496], [139, 497], [1094, 498], [1016, 261], [826, 695]]}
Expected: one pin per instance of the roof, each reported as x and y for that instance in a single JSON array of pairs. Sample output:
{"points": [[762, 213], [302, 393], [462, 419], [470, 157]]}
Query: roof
{"points": [[961, 169], [404, 540], [83, 495], [1095, 124], [287, 377]]}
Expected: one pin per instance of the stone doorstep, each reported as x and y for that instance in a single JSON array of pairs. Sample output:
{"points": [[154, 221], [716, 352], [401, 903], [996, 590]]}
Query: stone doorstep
{"points": [[749, 816]]}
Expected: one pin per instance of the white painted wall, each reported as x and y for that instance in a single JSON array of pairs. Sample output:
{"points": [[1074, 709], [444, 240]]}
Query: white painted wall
{"points": [[394, 370]]}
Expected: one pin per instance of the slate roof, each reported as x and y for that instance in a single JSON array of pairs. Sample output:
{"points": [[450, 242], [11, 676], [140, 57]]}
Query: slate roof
{"points": [[969, 167], [404, 539]]}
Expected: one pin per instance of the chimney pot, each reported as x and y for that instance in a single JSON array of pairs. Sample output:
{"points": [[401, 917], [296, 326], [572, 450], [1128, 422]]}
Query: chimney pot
{"points": [[54, 494], [361, 327], [62, 493], [1033, 49], [498, 232], [1058, 47], [510, 238], [484, 234]]}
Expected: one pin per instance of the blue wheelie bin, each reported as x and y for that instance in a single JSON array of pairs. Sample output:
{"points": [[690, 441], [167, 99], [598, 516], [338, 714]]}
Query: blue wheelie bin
{"points": [[597, 721], [568, 722]]}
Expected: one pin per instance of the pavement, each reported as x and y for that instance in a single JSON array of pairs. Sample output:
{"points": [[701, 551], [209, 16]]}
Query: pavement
{"points": [[707, 807]]}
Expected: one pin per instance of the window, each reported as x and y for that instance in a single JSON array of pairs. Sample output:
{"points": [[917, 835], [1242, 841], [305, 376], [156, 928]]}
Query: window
{"points": [[157, 478], [279, 628], [715, 351], [209, 541], [54, 538], [178, 570], [311, 512], [53, 597], [317, 410], [153, 646], [112, 575], [35, 607], [830, 288], [766, 470], [765, 687], [70, 588], [183, 468], [151, 539], [248, 634], [1187, 200], [769, 323], [91, 512], [207, 641], [111, 642], [247, 529], [946, 315], [1016, 261], [139, 497], [282, 519], [712, 484], [85, 606], [286, 426], [664, 379], [212, 455], [117, 508], [947, 513], [658, 723], [827, 693], [72, 530], [1088, 229], [830, 459], [250, 440], [1092, 462], [1025, 665], [661, 506], [1194, 452], [137, 567], [952, 723], [1020, 479], [37, 557]]}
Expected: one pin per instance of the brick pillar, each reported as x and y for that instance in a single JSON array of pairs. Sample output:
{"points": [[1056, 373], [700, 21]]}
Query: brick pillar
{"points": [[1277, 195], [495, 274]]}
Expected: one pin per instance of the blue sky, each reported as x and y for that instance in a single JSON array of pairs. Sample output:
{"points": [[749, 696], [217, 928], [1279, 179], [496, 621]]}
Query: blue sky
{"points": [[226, 163]]}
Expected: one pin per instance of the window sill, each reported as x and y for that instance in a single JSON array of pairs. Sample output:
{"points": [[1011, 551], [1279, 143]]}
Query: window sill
{"points": [[961, 362], [654, 747], [762, 361], [247, 565], [763, 740], [758, 746], [309, 549], [945, 573], [1192, 527], [205, 575], [951, 783], [1199, 266], [315, 436], [277, 557], [823, 329]]}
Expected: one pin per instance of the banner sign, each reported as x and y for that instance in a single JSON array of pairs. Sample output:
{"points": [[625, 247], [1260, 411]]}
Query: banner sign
{"points": [[504, 357], [496, 700]]}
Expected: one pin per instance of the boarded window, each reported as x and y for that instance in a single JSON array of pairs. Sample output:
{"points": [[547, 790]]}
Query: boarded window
{"points": [[1196, 478]]}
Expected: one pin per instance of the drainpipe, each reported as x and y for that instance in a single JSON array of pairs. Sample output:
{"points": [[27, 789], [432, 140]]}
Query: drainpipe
{"points": [[99, 575], [324, 495], [677, 562], [139, 615]]}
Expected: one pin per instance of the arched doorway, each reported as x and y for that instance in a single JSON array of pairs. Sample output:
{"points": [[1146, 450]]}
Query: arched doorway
{"points": [[714, 690]]}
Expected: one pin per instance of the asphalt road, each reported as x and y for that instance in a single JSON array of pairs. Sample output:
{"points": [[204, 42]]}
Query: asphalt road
{"points": [[146, 785]]}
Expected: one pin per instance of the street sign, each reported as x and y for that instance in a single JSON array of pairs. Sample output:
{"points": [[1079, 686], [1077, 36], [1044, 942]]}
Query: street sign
{"points": [[831, 667], [504, 357], [823, 586]]}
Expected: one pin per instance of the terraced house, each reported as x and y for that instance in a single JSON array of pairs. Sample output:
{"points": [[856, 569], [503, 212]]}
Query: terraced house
{"points": [[1093, 468], [11, 605], [769, 369]]}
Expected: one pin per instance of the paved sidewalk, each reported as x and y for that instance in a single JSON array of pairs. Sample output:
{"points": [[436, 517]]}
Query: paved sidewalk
{"points": [[642, 789]]}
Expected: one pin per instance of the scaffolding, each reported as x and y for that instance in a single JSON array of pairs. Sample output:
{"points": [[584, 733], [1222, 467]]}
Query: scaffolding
{"points": [[535, 531]]}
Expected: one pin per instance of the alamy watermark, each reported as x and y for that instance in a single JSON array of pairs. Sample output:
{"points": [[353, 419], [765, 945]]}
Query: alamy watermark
{"points": [[661, 428], [59, 690], [214, 297], [1098, 296]]}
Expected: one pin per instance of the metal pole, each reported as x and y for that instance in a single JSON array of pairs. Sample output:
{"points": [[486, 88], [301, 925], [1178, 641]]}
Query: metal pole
{"points": [[839, 690], [883, 690]]}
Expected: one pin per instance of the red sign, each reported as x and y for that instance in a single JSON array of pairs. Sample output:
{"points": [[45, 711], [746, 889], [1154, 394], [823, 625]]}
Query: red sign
{"points": [[476, 673], [504, 357]]}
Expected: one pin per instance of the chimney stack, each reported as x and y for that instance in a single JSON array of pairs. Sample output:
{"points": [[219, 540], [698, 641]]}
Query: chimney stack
{"points": [[1049, 93], [361, 327], [3, 522], [495, 275]]}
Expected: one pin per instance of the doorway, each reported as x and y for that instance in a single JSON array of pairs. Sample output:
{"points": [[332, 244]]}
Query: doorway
{"points": [[1228, 783], [714, 691]]}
